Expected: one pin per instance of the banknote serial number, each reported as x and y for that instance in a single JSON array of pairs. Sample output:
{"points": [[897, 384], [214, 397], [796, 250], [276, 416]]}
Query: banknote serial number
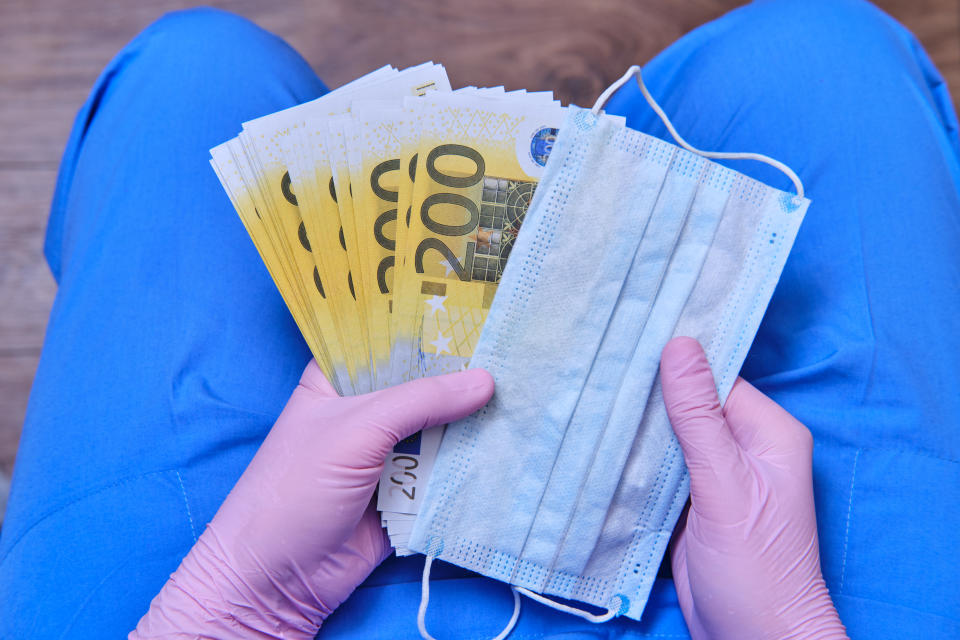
{"points": [[402, 477]]}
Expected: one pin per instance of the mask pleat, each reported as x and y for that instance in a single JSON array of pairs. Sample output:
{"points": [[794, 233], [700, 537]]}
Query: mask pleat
{"points": [[633, 392], [538, 409], [648, 501], [590, 424]]}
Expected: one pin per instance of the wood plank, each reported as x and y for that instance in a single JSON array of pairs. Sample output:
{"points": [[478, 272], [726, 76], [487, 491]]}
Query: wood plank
{"points": [[49, 63], [52, 51], [531, 44], [936, 23], [4, 491], [16, 376], [26, 286], [27, 290]]}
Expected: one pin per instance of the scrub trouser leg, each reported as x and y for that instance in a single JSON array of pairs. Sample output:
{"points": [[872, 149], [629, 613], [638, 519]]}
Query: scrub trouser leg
{"points": [[860, 340], [169, 354]]}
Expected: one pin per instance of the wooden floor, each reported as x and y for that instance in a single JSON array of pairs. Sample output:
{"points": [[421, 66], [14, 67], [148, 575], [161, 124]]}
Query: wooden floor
{"points": [[52, 50]]}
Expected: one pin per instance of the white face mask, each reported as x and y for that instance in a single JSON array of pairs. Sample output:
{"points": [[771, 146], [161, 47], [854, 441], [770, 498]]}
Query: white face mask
{"points": [[570, 481]]}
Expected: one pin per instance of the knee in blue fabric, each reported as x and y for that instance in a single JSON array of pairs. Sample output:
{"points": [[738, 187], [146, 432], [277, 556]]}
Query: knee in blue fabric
{"points": [[859, 325], [841, 29], [832, 56], [169, 352], [205, 69], [209, 36], [208, 59], [788, 41]]}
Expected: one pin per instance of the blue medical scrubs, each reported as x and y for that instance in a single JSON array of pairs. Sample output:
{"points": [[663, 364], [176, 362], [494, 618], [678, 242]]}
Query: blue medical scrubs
{"points": [[169, 353]]}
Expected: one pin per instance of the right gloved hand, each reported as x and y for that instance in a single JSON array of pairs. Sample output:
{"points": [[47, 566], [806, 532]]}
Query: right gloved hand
{"points": [[746, 559], [299, 531]]}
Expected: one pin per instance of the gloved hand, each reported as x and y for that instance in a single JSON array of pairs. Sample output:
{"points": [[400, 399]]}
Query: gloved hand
{"points": [[745, 558], [298, 532]]}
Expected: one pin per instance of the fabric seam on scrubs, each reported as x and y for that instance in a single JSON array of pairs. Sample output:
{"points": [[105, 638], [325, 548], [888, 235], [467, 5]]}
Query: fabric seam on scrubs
{"points": [[186, 503], [71, 500], [846, 535]]}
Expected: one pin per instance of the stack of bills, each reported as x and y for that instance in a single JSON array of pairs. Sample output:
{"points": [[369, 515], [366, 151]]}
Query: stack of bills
{"points": [[385, 212]]}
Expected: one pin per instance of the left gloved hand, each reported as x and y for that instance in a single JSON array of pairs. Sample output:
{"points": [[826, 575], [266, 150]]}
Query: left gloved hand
{"points": [[746, 558], [298, 532]]}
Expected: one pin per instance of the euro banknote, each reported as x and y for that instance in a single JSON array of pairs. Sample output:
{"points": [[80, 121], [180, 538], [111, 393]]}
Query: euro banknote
{"points": [[385, 212]]}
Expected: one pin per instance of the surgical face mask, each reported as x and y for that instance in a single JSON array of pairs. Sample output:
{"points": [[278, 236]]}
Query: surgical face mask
{"points": [[570, 481]]}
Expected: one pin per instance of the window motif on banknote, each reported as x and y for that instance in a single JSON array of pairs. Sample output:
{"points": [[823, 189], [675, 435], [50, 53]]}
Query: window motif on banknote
{"points": [[503, 205]]}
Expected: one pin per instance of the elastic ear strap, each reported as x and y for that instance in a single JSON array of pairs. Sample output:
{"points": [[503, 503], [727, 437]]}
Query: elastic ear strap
{"points": [[425, 601], [718, 155], [586, 615]]}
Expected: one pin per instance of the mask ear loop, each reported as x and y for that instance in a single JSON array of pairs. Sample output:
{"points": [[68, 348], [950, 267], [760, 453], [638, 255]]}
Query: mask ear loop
{"points": [[425, 601], [586, 615], [717, 155]]}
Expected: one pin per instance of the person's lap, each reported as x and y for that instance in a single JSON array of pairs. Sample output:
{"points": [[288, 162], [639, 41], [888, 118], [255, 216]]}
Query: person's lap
{"points": [[169, 353]]}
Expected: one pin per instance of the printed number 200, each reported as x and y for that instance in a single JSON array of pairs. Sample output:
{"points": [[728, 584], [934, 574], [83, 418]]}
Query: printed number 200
{"points": [[458, 200]]}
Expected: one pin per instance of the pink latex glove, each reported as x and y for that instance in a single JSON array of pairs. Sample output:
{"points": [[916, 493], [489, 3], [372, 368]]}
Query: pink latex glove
{"points": [[298, 532], [746, 560]]}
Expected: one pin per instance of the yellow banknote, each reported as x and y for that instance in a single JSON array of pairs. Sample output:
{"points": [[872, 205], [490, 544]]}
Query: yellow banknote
{"points": [[309, 166], [340, 316], [374, 163], [408, 134], [223, 162], [263, 141], [277, 203], [338, 138], [478, 163]]}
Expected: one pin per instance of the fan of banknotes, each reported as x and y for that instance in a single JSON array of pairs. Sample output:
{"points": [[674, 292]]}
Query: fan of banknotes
{"points": [[385, 212]]}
